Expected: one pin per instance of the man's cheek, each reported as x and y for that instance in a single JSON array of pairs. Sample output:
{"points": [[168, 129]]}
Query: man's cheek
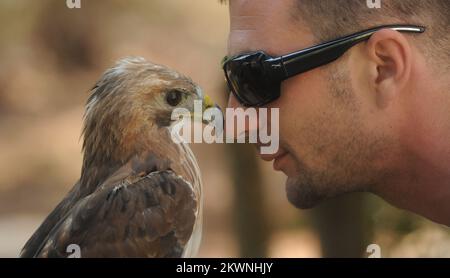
{"points": [[290, 130]]}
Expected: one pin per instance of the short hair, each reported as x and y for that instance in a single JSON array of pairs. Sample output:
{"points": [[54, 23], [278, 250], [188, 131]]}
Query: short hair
{"points": [[329, 19], [350, 16]]}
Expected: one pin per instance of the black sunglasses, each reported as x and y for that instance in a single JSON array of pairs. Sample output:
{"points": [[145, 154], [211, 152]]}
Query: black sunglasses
{"points": [[255, 78]]}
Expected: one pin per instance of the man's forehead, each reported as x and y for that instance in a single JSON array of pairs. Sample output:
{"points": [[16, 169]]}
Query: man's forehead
{"points": [[261, 25], [258, 7]]}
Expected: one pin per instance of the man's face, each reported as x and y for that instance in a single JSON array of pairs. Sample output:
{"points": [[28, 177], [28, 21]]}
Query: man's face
{"points": [[328, 145]]}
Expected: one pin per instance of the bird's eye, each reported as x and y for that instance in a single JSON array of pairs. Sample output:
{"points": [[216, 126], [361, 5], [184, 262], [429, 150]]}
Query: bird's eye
{"points": [[173, 97]]}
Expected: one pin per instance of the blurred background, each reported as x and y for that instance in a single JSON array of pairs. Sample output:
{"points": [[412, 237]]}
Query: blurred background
{"points": [[50, 56]]}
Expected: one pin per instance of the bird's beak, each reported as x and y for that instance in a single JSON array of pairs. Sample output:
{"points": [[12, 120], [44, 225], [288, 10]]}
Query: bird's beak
{"points": [[208, 103]]}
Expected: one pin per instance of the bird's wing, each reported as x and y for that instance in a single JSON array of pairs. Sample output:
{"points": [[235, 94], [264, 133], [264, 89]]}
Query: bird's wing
{"points": [[34, 243], [150, 217]]}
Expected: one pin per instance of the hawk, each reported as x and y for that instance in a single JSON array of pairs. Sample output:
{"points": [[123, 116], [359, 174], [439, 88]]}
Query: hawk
{"points": [[139, 194]]}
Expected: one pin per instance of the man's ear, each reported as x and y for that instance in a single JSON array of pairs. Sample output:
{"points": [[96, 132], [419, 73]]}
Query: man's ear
{"points": [[390, 55]]}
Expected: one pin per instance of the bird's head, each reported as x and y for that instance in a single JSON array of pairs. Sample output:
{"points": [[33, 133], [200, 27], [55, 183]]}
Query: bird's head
{"points": [[132, 98]]}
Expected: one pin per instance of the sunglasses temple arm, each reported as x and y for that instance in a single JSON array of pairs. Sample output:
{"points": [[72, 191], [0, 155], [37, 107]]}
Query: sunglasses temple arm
{"points": [[322, 54], [297, 64]]}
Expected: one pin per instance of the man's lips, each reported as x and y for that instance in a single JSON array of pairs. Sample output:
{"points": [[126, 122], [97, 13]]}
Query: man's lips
{"points": [[270, 157], [277, 157]]}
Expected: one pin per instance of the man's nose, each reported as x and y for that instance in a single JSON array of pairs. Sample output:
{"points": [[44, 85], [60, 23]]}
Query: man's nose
{"points": [[251, 124], [233, 102]]}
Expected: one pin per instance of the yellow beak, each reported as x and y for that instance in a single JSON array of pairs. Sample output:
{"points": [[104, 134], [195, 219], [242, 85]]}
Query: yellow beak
{"points": [[207, 102]]}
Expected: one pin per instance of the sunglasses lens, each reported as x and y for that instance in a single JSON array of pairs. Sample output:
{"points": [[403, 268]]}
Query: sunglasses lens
{"points": [[250, 83]]}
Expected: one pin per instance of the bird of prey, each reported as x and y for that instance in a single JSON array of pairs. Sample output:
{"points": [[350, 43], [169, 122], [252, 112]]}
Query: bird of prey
{"points": [[139, 194]]}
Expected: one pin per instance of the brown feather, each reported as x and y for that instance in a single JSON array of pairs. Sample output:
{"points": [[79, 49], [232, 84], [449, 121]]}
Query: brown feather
{"points": [[139, 194]]}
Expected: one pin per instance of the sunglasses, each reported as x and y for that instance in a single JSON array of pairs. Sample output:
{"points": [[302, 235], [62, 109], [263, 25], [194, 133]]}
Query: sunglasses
{"points": [[255, 78]]}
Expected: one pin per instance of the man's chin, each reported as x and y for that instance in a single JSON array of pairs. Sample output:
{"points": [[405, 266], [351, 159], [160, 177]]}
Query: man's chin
{"points": [[302, 195]]}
